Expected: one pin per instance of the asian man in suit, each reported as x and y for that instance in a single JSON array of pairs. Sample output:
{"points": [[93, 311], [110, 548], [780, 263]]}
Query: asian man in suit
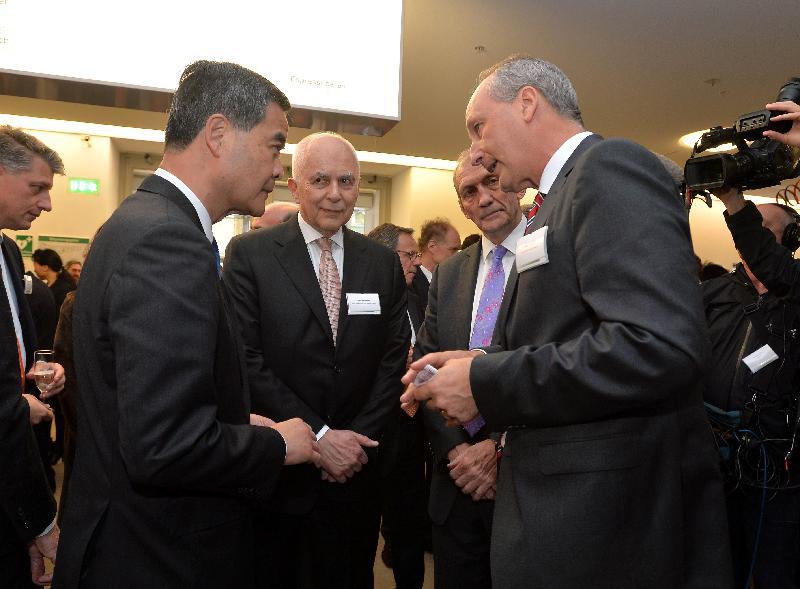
{"points": [[323, 314], [28, 532], [168, 455], [609, 476], [463, 307]]}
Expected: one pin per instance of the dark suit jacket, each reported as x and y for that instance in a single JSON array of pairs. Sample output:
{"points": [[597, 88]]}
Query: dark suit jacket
{"points": [[609, 477], [27, 506], [420, 287], [447, 327], [62, 285], [294, 369], [163, 437]]}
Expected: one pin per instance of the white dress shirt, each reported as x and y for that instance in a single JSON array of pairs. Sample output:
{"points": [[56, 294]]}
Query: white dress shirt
{"points": [[205, 218], [428, 274], [487, 250], [311, 235], [558, 159]]}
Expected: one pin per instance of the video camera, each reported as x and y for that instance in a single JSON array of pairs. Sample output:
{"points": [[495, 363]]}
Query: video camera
{"points": [[764, 162]]}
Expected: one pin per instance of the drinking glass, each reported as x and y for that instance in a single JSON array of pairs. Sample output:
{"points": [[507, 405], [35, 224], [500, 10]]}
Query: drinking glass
{"points": [[43, 369]]}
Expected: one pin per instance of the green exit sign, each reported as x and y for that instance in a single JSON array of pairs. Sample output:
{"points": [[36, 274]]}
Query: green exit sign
{"points": [[84, 186]]}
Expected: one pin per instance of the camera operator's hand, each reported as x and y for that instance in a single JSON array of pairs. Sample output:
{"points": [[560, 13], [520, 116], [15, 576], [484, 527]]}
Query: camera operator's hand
{"points": [[791, 112], [732, 198]]}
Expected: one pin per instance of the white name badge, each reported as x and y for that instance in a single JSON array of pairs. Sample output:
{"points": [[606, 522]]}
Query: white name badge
{"points": [[28, 284], [363, 303], [532, 250], [760, 358]]}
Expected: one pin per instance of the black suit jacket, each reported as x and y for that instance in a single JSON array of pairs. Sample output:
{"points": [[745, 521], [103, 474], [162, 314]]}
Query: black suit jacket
{"points": [[293, 366], [447, 327], [609, 477], [164, 442], [27, 506], [420, 287]]}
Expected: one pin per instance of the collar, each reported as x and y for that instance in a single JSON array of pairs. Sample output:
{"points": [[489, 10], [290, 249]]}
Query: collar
{"points": [[558, 159], [510, 242], [427, 273], [310, 234], [202, 213]]}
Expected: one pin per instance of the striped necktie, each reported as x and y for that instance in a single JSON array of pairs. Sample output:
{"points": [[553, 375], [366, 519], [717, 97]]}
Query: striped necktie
{"points": [[537, 203]]}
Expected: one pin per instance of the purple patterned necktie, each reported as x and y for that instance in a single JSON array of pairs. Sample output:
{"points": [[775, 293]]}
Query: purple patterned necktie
{"points": [[486, 316]]}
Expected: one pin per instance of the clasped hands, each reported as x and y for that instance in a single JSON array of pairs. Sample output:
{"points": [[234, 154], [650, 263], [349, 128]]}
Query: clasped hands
{"points": [[473, 469], [449, 391], [339, 454]]}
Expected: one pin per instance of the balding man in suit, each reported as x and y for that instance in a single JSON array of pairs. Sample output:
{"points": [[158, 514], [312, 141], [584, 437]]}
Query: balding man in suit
{"points": [[323, 314]]}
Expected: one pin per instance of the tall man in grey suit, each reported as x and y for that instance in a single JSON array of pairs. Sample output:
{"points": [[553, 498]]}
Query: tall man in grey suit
{"points": [[609, 477], [463, 306], [167, 453], [323, 313], [28, 531]]}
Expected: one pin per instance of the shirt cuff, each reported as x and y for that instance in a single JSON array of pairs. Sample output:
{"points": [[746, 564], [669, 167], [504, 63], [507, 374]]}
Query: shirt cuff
{"points": [[322, 432], [48, 529]]}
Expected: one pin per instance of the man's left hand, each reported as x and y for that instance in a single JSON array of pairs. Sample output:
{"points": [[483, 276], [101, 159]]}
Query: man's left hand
{"points": [[54, 387], [449, 390], [474, 470]]}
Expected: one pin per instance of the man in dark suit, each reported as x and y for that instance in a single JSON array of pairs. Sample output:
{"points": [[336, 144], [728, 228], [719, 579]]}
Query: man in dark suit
{"points": [[463, 288], [403, 446], [438, 240], [166, 453], [323, 313], [608, 477], [28, 533]]}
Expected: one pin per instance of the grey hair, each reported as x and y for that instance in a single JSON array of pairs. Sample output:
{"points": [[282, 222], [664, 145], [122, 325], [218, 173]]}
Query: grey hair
{"points": [[17, 150], [388, 234], [300, 151], [519, 70], [218, 87], [462, 160]]}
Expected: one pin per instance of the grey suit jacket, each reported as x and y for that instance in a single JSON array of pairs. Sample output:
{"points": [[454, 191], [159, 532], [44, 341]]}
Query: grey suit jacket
{"points": [[609, 477]]}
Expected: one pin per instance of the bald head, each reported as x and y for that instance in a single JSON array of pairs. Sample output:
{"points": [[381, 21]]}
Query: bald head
{"points": [[274, 214], [775, 219], [306, 145]]}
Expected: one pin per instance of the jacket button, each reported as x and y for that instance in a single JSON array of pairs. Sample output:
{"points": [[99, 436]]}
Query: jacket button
{"points": [[337, 370]]}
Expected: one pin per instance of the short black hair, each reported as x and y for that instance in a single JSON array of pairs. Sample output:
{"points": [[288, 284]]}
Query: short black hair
{"points": [[49, 258], [218, 87]]}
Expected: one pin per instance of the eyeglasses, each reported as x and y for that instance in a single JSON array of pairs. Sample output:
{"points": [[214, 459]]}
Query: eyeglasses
{"points": [[410, 255]]}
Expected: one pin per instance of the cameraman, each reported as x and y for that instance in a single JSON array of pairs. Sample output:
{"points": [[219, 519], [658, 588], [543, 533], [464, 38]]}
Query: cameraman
{"points": [[747, 310], [773, 264]]}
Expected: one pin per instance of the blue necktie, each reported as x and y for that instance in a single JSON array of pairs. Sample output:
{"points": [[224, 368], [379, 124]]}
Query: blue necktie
{"points": [[486, 316], [216, 255]]}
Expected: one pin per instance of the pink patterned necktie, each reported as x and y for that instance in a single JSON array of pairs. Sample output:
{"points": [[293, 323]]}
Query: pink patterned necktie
{"points": [[486, 316], [329, 283], [537, 203]]}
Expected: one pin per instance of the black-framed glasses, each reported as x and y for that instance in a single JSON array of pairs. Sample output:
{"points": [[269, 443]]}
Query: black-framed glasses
{"points": [[410, 255]]}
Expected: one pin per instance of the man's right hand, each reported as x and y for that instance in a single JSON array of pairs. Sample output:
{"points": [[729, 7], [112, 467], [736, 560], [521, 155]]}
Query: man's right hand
{"points": [[39, 411], [301, 443], [342, 453], [43, 547], [791, 112]]}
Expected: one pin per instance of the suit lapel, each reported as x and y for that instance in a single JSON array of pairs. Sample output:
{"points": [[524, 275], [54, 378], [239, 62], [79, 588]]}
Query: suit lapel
{"points": [[292, 255], [13, 261], [555, 190], [356, 270], [465, 291]]}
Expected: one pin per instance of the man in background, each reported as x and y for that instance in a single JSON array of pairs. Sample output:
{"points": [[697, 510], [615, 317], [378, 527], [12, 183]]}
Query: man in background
{"points": [[438, 240], [28, 533], [403, 446], [463, 307], [274, 213]]}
